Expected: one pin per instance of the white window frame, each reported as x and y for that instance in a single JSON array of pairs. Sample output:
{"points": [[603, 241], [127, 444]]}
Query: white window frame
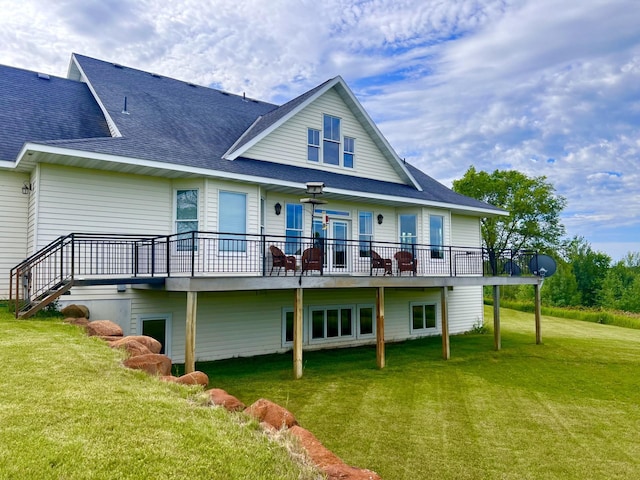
{"points": [[168, 318], [402, 237], [436, 249], [351, 152], [298, 242], [222, 238], [359, 307], [182, 245], [364, 237], [424, 330], [285, 312], [324, 309], [331, 138], [315, 146]]}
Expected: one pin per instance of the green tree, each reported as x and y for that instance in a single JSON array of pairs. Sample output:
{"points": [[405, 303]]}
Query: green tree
{"points": [[561, 289], [589, 268], [621, 286], [533, 205]]}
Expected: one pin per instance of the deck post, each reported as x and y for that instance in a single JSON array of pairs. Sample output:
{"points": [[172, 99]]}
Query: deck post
{"points": [[190, 333], [446, 351], [497, 342], [297, 334], [538, 314], [380, 360]]}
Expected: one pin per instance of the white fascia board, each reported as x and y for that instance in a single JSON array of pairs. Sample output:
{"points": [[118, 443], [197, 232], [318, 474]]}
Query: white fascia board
{"points": [[399, 162], [232, 155], [205, 172], [228, 154], [477, 211], [110, 122], [7, 165]]}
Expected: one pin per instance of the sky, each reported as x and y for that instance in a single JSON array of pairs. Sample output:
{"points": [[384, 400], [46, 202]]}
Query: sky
{"points": [[550, 88]]}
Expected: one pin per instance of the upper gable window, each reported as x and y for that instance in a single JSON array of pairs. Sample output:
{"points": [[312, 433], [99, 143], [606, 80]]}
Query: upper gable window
{"points": [[313, 145], [349, 151], [331, 144]]}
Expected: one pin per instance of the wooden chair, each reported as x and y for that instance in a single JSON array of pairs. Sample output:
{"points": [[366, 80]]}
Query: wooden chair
{"points": [[406, 262], [281, 260], [378, 262], [312, 260]]}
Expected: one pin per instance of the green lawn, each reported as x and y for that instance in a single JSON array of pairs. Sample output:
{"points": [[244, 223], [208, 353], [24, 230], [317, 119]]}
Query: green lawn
{"points": [[69, 411], [567, 409]]}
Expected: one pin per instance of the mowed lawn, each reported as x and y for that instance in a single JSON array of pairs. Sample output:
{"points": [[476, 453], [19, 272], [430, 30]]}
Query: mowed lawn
{"points": [[566, 409]]}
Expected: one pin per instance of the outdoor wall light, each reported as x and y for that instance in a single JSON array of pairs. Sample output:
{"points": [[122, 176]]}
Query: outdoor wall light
{"points": [[278, 208], [380, 218], [27, 188]]}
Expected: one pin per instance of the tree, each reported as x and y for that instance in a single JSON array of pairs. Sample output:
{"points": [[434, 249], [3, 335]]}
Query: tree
{"points": [[589, 267], [533, 205], [621, 287]]}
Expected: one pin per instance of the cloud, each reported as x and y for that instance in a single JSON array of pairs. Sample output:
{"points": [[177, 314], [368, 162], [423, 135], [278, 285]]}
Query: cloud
{"points": [[544, 87]]}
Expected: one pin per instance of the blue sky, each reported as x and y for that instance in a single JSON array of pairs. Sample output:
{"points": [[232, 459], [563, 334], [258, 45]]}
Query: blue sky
{"points": [[545, 87]]}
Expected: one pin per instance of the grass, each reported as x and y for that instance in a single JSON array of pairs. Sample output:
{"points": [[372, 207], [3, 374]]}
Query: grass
{"points": [[567, 409], [69, 411], [596, 315]]}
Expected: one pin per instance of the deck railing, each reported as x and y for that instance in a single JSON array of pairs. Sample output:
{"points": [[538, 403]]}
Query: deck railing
{"points": [[95, 256]]}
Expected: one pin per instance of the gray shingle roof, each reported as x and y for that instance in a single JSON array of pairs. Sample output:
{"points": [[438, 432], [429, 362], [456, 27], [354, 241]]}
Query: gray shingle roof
{"points": [[174, 122], [40, 109]]}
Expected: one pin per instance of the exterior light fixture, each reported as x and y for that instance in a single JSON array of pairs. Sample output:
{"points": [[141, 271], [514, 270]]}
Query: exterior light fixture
{"points": [[27, 188], [380, 218], [278, 208]]}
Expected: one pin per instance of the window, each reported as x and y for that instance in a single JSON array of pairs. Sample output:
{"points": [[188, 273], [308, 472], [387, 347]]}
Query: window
{"points": [[232, 219], [287, 326], [331, 322], [313, 145], [423, 317], [408, 230], [293, 228], [186, 218], [349, 152], [365, 222], [436, 235], [331, 143], [366, 320]]}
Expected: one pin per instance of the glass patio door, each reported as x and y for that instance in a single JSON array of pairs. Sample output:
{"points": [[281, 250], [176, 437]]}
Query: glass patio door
{"points": [[333, 241]]}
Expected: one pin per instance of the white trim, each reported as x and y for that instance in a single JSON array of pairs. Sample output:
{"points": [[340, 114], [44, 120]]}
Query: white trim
{"points": [[244, 134], [325, 308], [283, 334], [168, 328], [373, 321], [424, 331], [116, 132], [205, 172]]}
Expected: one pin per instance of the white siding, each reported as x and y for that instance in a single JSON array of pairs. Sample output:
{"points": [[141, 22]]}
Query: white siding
{"points": [[288, 143], [91, 201], [465, 231], [13, 225], [465, 309]]}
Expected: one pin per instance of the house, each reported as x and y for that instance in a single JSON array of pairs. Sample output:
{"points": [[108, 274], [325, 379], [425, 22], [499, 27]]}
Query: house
{"points": [[177, 209]]}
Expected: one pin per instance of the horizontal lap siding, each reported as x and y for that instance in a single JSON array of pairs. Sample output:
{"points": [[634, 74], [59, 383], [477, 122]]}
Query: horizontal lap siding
{"points": [[91, 201], [288, 143], [13, 225], [465, 303]]}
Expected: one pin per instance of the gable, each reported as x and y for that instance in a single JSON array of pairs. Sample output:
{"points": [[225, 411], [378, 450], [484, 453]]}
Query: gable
{"points": [[287, 144]]}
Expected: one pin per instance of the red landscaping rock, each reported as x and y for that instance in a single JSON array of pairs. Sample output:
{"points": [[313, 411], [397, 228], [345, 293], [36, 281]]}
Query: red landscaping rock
{"points": [[152, 363], [194, 378], [217, 396], [151, 343], [133, 347], [327, 461], [319, 454], [345, 472], [104, 328], [266, 411], [76, 311], [79, 321]]}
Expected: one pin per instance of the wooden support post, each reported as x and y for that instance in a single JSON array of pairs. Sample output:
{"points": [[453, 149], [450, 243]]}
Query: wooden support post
{"points": [[297, 334], [497, 342], [538, 314], [446, 352], [190, 333], [380, 360]]}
